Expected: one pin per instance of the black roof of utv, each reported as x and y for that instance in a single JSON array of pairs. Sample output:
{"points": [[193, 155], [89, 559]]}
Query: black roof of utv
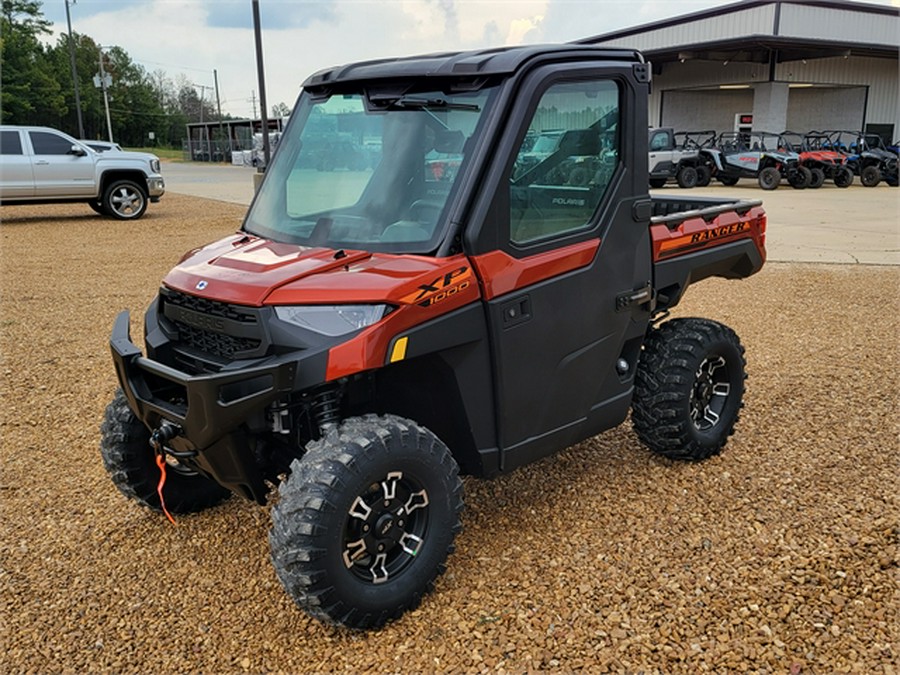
{"points": [[477, 63]]}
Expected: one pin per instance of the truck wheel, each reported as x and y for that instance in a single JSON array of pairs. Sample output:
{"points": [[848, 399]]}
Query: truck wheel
{"points": [[870, 176], [365, 521], [769, 178], [124, 200], [843, 177], [657, 183], [129, 461], [687, 177], [704, 175], [689, 388], [817, 178]]}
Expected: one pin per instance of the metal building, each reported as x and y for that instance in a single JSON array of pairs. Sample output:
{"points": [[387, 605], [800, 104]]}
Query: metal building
{"points": [[771, 65]]}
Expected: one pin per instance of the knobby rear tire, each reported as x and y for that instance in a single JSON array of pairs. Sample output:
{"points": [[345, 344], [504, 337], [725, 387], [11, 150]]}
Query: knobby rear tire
{"points": [[689, 388]]}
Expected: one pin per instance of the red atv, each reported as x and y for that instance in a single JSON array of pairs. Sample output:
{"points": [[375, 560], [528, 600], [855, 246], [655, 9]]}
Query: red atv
{"points": [[816, 155]]}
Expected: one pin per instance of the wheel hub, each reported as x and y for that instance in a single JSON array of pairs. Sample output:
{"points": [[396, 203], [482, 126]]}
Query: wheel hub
{"points": [[710, 392], [385, 528]]}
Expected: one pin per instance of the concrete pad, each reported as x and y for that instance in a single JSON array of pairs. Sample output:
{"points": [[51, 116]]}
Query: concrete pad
{"points": [[854, 225]]}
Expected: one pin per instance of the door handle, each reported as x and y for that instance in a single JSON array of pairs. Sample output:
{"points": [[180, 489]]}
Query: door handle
{"points": [[516, 311], [42, 162]]}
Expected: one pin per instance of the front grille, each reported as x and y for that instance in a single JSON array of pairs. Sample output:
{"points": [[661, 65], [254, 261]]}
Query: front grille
{"points": [[211, 327], [218, 344]]}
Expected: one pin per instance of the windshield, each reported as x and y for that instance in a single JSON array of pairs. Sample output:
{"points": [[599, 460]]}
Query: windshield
{"points": [[370, 172]]}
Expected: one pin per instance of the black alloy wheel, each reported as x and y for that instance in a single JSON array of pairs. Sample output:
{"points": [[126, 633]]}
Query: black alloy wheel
{"points": [[366, 520], [843, 177], [689, 388]]}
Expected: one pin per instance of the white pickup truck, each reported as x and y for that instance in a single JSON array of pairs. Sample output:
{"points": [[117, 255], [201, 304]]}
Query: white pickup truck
{"points": [[39, 165]]}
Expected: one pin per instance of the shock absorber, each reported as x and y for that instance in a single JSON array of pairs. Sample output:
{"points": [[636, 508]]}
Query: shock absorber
{"points": [[326, 409]]}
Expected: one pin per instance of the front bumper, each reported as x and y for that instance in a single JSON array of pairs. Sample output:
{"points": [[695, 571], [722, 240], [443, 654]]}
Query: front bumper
{"points": [[210, 410], [156, 188]]}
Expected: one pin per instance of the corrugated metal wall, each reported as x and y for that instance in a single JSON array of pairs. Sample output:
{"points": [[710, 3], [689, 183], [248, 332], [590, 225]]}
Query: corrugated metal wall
{"points": [[825, 23], [757, 20], [876, 78]]}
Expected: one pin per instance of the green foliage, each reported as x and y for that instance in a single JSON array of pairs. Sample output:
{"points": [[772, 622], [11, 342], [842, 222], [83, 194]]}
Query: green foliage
{"points": [[30, 92]]}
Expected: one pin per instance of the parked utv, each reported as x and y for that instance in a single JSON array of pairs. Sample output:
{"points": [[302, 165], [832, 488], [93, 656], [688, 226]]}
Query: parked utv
{"points": [[366, 336], [677, 155], [867, 156], [815, 154], [759, 155]]}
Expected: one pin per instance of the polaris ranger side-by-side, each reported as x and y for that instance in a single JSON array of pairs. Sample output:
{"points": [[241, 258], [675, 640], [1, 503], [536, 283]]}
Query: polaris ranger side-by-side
{"points": [[372, 332]]}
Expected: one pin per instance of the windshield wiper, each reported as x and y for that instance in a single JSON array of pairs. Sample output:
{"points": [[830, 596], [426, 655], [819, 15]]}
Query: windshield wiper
{"points": [[414, 103]]}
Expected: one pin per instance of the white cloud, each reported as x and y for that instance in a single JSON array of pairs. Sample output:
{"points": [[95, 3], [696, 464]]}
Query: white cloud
{"points": [[193, 37]]}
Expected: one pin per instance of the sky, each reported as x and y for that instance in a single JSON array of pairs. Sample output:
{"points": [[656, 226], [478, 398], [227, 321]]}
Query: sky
{"points": [[300, 37]]}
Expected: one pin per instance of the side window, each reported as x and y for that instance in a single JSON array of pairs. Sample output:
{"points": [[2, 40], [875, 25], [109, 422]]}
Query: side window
{"points": [[566, 160], [45, 143], [10, 143], [659, 141]]}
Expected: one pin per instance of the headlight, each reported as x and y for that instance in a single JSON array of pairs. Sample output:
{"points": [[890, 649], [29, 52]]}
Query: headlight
{"points": [[332, 320], [154, 165]]}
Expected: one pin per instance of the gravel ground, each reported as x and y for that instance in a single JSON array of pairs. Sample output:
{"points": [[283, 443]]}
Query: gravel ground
{"points": [[780, 555]]}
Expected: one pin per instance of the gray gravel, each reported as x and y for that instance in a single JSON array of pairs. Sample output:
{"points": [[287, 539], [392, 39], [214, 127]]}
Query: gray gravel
{"points": [[778, 556]]}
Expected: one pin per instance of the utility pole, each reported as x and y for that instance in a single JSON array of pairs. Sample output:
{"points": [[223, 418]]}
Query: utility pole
{"points": [[219, 108], [252, 100], [261, 75], [104, 84], [203, 88], [74, 72]]}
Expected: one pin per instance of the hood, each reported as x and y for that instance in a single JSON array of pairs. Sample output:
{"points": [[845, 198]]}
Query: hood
{"points": [[247, 270], [114, 156]]}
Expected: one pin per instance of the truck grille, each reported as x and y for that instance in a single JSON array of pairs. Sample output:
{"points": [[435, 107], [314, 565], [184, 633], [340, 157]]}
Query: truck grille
{"points": [[212, 327]]}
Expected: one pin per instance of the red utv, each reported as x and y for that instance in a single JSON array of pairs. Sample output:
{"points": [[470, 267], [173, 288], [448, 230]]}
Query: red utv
{"points": [[817, 155]]}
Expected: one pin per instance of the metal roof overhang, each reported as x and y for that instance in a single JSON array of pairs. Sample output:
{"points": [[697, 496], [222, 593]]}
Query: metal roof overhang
{"points": [[761, 49]]}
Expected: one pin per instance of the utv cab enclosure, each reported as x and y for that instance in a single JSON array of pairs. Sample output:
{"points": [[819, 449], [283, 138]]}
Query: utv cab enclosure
{"points": [[444, 307]]}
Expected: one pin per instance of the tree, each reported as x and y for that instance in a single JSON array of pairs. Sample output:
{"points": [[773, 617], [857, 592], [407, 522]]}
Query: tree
{"points": [[30, 94]]}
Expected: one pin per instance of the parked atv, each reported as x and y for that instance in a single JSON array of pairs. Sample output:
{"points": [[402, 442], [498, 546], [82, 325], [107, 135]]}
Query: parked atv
{"points": [[867, 156], [816, 155], [676, 155], [759, 155]]}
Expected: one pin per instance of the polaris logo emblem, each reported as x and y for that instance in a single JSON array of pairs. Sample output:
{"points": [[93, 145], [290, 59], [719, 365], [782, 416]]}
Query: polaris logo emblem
{"points": [[563, 201], [202, 284]]}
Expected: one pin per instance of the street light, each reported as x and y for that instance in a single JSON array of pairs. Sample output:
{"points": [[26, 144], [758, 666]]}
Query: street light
{"points": [[74, 71]]}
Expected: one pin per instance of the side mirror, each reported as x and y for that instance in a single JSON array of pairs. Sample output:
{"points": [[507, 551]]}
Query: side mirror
{"points": [[78, 150]]}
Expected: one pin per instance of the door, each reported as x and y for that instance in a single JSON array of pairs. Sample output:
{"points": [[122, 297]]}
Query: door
{"points": [[570, 246], [16, 177], [58, 172], [661, 152]]}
